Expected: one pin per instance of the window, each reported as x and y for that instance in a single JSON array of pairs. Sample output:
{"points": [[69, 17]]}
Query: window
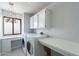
{"points": [[11, 26], [0, 26]]}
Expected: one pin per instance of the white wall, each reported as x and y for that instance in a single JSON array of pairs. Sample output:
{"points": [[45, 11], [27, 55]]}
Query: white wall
{"points": [[25, 23], [65, 22], [11, 14]]}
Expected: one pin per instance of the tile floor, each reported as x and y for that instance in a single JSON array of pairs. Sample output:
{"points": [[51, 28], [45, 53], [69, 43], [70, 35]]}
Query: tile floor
{"points": [[15, 52]]}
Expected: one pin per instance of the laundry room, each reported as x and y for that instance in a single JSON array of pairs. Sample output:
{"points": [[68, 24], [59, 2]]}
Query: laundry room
{"points": [[39, 28]]}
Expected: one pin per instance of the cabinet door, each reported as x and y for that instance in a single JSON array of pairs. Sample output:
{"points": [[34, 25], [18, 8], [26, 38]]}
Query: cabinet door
{"points": [[0, 47], [42, 19], [32, 22], [35, 21], [6, 45]]}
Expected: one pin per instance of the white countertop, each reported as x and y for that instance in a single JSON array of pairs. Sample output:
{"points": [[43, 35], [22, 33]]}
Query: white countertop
{"points": [[30, 35], [62, 46], [11, 37]]}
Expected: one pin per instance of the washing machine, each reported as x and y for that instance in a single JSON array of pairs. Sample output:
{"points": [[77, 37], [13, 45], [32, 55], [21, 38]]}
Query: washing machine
{"points": [[24, 44], [34, 48]]}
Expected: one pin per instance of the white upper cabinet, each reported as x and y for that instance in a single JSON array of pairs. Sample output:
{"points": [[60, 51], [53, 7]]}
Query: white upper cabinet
{"points": [[41, 22], [42, 19], [32, 22], [35, 21]]}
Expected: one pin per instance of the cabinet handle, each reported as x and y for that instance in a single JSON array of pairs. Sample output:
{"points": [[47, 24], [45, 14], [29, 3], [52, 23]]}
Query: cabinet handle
{"points": [[37, 20], [45, 25]]}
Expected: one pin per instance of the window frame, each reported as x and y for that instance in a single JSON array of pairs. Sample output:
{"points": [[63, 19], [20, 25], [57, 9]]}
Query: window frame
{"points": [[12, 26]]}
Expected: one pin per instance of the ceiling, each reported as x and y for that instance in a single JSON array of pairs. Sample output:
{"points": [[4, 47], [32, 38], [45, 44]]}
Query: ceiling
{"points": [[28, 7]]}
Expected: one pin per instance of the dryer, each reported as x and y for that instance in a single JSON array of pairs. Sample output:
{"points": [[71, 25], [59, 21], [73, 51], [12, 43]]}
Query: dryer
{"points": [[34, 48]]}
